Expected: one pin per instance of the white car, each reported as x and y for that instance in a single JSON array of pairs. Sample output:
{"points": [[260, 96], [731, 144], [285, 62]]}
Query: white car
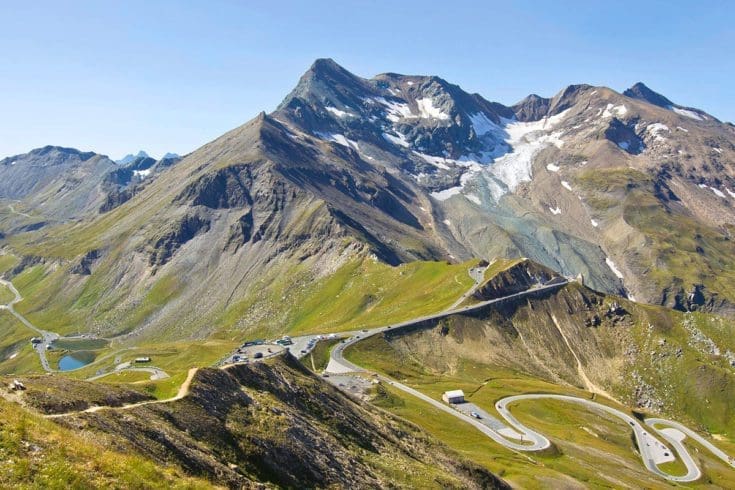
{"points": [[476, 415]]}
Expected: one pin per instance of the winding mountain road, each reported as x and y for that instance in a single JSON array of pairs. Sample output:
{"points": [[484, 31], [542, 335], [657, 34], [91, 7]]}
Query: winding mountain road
{"points": [[513, 435], [46, 337]]}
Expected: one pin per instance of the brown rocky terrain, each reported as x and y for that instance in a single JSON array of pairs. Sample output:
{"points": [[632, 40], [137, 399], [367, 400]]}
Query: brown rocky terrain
{"points": [[279, 425]]}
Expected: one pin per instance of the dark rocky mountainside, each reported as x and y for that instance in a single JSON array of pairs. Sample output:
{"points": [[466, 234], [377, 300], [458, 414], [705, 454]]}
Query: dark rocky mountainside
{"points": [[277, 424], [640, 91]]}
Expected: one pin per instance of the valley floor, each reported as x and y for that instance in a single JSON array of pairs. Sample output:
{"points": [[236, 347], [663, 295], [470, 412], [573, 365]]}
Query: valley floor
{"points": [[501, 426]]}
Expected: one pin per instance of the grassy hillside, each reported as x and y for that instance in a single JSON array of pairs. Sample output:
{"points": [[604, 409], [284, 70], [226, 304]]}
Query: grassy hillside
{"points": [[659, 361], [37, 453], [368, 294], [649, 226], [272, 422]]}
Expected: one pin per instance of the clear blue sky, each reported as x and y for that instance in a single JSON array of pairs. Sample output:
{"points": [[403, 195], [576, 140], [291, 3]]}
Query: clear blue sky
{"points": [[118, 76]]}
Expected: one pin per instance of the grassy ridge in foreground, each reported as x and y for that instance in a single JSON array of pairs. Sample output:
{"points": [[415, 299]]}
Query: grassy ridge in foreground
{"points": [[37, 453]]}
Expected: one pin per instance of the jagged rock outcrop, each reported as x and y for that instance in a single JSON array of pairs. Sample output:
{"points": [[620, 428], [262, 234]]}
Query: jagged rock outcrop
{"points": [[520, 277], [84, 266], [178, 234]]}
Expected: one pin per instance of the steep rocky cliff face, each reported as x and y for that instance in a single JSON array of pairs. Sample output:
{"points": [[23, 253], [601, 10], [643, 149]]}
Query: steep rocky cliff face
{"points": [[520, 277], [276, 424]]}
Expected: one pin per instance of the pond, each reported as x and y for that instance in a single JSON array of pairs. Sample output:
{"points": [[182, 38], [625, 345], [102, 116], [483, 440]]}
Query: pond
{"points": [[75, 360]]}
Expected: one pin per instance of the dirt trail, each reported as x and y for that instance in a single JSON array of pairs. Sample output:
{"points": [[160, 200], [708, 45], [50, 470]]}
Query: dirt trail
{"points": [[183, 391]]}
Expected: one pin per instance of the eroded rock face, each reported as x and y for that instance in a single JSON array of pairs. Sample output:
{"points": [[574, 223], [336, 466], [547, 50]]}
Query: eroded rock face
{"points": [[115, 198], [178, 234], [84, 266], [222, 189], [625, 137], [532, 108], [697, 298], [520, 277]]}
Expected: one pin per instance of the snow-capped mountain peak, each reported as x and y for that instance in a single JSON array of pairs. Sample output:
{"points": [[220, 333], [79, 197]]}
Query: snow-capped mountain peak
{"points": [[130, 157]]}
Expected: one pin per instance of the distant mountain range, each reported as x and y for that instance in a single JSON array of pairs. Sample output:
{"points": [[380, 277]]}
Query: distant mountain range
{"points": [[632, 191], [142, 154]]}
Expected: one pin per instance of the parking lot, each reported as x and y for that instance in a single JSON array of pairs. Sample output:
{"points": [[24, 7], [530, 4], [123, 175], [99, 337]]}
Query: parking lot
{"points": [[250, 353]]}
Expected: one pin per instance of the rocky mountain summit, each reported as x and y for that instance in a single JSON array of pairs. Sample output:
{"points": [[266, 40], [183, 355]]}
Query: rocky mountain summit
{"points": [[633, 192], [523, 180]]}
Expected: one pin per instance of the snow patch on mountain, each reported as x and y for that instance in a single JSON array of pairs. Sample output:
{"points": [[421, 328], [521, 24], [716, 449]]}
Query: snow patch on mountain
{"points": [[526, 139], [614, 110], [613, 268], [482, 124], [446, 193], [142, 173], [594, 223], [399, 139], [429, 111], [732, 194], [551, 167], [655, 130], [436, 161], [718, 192], [340, 139], [686, 113], [473, 198], [339, 113], [566, 185], [396, 110], [555, 210]]}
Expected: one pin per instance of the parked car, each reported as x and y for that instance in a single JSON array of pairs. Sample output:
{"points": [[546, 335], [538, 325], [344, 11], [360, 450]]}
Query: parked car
{"points": [[258, 355], [476, 415]]}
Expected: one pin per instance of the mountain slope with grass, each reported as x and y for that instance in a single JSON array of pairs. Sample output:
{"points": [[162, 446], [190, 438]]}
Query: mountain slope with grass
{"points": [[635, 195], [272, 423], [38, 453], [646, 359]]}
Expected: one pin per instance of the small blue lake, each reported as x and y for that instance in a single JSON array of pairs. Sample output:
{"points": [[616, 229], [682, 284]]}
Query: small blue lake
{"points": [[74, 361]]}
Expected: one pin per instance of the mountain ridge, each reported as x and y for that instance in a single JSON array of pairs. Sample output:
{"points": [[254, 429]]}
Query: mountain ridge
{"points": [[404, 168]]}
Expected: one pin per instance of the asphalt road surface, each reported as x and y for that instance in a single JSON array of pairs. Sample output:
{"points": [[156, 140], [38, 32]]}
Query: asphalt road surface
{"points": [[46, 337]]}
